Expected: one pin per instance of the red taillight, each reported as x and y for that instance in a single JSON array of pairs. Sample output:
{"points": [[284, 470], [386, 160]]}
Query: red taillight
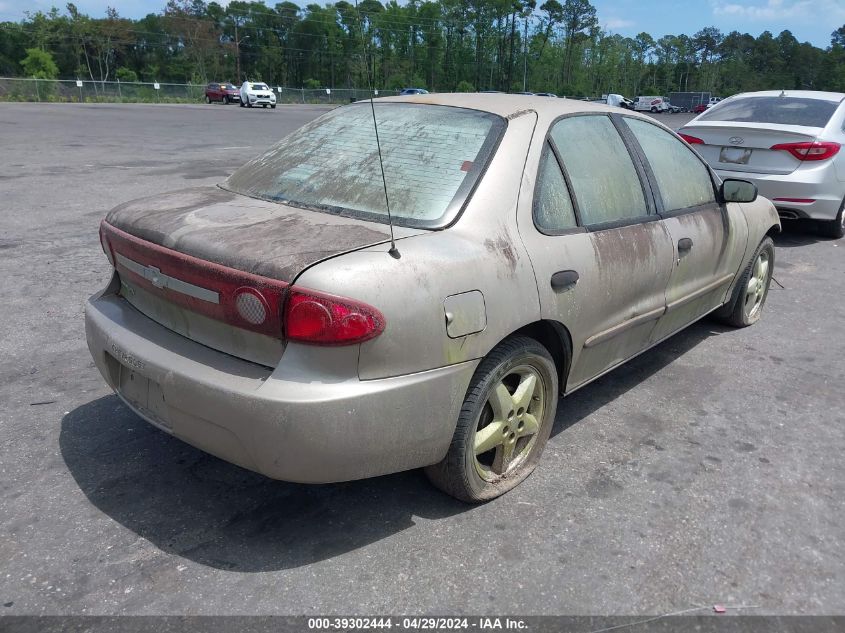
{"points": [[817, 150], [321, 319], [692, 140]]}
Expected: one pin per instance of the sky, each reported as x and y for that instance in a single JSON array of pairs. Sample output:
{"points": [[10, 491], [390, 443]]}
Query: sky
{"points": [[809, 20]]}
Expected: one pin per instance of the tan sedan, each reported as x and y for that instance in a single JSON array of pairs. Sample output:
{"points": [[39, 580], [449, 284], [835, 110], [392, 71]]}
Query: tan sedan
{"points": [[539, 243]]}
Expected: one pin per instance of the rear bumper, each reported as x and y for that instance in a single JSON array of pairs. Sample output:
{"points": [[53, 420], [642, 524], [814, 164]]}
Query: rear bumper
{"points": [[296, 423], [816, 183]]}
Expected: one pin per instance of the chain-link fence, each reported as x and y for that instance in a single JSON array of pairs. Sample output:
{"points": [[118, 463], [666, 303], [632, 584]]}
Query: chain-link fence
{"points": [[86, 91]]}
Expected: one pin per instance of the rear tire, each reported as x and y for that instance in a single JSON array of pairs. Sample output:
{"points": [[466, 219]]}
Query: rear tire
{"points": [[504, 423], [749, 296], [834, 229]]}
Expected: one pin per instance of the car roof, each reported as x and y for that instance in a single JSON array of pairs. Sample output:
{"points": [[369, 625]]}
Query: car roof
{"points": [[801, 94], [508, 105]]}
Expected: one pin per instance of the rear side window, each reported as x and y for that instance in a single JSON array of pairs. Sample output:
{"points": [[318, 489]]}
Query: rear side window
{"points": [[433, 156], [553, 209], [682, 178], [603, 177], [781, 110]]}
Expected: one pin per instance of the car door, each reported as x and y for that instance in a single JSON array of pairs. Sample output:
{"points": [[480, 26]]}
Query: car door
{"points": [[600, 254], [708, 237]]}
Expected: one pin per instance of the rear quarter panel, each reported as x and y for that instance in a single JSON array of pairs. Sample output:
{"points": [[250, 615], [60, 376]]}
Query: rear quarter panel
{"points": [[481, 251]]}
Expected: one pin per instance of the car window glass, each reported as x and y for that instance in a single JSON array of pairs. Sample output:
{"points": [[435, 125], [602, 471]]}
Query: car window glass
{"points": [[779, 110], [553, 209], [600, 169], [432, 156], [682, 178]]}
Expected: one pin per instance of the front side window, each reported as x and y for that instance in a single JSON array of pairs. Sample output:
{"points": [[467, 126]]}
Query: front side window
{"points": [[553, 209], [603, 177], [682, 178], [433, 156]]}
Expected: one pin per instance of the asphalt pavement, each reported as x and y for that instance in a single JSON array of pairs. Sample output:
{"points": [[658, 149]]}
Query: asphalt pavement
{"points": [[708, 470]]}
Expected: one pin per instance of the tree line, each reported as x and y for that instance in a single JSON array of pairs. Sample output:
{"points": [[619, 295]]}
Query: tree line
{"points": [[441, 45]]}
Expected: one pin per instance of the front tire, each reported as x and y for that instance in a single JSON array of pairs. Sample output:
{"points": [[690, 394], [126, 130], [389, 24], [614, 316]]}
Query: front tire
{"points": [[225, 99], [273, 107], [504, 423], [208, 99], [749, 297]]}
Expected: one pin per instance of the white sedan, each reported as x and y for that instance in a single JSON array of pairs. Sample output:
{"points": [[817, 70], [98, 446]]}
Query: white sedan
{"points": [[785, 142], [255, 93]]}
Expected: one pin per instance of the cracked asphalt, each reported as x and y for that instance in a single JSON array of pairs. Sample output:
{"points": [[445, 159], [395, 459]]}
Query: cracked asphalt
{"points": [[708, 470]]}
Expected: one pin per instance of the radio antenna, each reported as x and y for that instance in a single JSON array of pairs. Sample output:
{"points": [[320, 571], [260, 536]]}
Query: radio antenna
{"points": [[394, 252]]}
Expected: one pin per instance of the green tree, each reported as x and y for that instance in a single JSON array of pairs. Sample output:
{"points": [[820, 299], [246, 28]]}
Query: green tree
{"points": [[39, 64]]}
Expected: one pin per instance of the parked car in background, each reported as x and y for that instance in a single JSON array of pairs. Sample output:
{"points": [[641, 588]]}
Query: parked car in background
{"points": [[527, 94], [547, 94], [701, 107], [414, 91], [713, 101], [672, 109], [785, 142], [223, 92], [255, 93], [270, 322], [650, 104], [618, 101]]}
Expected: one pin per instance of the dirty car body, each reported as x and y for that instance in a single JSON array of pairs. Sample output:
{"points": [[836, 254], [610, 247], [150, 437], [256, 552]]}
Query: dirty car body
{"points": [[265, 322]]}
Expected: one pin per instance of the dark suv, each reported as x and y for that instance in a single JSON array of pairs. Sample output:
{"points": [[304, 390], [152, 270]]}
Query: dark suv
{"points": [[225, 92]]}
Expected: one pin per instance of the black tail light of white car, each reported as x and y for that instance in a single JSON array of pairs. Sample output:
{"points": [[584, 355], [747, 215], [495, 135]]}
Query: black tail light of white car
{"points": [[238, 298]]}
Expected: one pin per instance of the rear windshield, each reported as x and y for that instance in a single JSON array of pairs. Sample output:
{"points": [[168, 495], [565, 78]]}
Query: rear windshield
{"points": [[433, 156], [781, 110]]}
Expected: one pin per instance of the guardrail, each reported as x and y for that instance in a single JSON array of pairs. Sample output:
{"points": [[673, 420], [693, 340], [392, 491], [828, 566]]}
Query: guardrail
{"points": [[87, 91]]}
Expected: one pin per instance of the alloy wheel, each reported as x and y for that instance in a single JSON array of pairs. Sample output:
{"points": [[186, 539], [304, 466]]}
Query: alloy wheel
{"points": [[509, 422], [755, 291]]}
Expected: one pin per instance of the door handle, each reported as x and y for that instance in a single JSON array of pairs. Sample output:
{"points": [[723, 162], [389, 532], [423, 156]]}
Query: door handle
{"points": [[564, 280], [684, 247]]}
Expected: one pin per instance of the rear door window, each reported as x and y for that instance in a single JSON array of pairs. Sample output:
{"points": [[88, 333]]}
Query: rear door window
{"points": [[681, 176], [777, 110], [604, 181]]}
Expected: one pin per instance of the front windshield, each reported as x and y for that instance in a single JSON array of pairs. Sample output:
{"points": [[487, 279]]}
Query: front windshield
{"points": [[432, 155], [260, 87]]}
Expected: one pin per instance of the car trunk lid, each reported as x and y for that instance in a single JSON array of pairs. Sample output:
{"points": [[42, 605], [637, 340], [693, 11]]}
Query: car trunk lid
{"points": [[184, 257], [746, 147]]}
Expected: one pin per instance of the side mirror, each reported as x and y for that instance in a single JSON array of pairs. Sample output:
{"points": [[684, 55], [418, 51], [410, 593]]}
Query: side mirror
{"points": [[733, 190]]}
